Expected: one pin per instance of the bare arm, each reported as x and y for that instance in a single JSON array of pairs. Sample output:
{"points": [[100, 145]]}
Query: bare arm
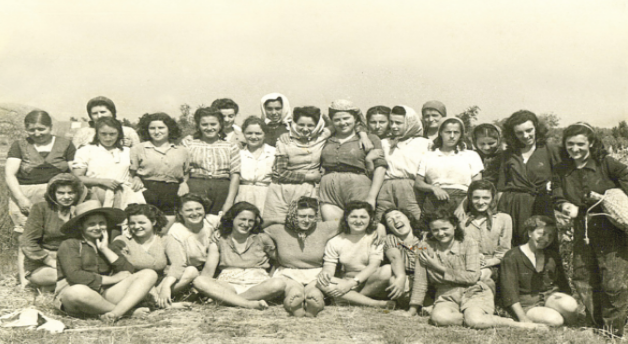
{"points": [[376, 185], [234, 184], [213, 257], [11, 169]]}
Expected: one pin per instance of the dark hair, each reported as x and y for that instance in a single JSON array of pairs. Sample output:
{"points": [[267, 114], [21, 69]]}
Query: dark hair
{"points": [[278, 99], [485, 130], [492, 207], [226, 222], [306, 111], [151, 212], [101, 101], [596, 149], [208, 112], [174, 133], [305, 202], [77, 187], [225, 103], [254, 120], [110, 122], [378, 110], [538, 221], [357, 205], [520, 117], [192, 197], [398, 110], [38, 117], [445, 214], [413, 221], [438, 141]]}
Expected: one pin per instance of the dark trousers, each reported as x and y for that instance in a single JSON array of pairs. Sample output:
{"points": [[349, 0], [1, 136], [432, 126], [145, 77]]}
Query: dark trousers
{"points": [[162, 195], [216, 190]]}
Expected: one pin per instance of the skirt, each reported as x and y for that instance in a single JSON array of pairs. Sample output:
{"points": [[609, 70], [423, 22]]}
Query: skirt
{"points": [[243, 279], [253, 194]]}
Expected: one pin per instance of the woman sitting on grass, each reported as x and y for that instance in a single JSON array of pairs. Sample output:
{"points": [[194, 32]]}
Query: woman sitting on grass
{"points": [[452, 264], [42, 235], [534, 287], [400, 249], [243, 255], [360, 253], [187, 244], [92, 279]]}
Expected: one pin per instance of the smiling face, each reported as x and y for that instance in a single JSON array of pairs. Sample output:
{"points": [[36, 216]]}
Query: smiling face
{"points": [[578, 147], [450, 135], [228, 116], [158, 131], [305, 126], [432, 118], [525, 133], [273, 111], [107, 136], [254, 136], [398, 125], [65, 195], [541, 237], [358, 221], [481, 200], [243, 223], [192, 213], [344, 123], [378, 125], [209, 127], [487, 144], [306, 218], [39, 133], [93, 226], [99, 111], [398, 224], [443, 231], [140, 226]]}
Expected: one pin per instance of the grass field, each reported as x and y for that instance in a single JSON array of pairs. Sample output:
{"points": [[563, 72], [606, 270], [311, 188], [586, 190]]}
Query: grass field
{"points": [[213, 323]]}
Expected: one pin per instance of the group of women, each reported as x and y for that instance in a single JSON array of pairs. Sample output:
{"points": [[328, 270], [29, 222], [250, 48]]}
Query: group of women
{"points": [[392, 209]]}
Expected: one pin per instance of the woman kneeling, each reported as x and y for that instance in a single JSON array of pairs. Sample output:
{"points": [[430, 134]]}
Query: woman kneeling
{"points": [[244, 255], [359, 251], [92, 279], [452, 264]]}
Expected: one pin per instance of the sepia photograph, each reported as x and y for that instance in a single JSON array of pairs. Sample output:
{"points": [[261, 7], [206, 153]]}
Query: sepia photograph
{"points": [[396, 172]]}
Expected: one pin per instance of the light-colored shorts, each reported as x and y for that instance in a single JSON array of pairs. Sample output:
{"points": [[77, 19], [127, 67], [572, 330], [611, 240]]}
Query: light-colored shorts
{"points": [[35, 193], [341, 188], [243, 279], [478, 295], [303, 276], [398, 193], [279, 197]]}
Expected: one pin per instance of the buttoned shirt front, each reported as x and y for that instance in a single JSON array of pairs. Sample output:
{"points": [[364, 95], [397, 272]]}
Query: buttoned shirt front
{"points": [[167, 164], [257, 171], [348, 156]]}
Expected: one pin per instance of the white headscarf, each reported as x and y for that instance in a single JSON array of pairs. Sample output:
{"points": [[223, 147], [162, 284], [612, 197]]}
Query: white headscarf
{"points": [[286, 111]]}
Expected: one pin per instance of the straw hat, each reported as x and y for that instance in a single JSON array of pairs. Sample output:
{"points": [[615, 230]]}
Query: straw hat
{"points": [[114, 216]]}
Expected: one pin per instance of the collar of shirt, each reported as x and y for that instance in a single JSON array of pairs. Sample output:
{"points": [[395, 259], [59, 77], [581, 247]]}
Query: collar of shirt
{"points": [[590, 165], [441, 153], [355, 137], [249, 242], [456, 247], [149, 144], [267, 152]]}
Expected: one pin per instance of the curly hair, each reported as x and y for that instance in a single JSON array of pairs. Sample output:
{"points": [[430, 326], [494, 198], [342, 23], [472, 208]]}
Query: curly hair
{"points": [[226, 222], [191, 197], [357, 205], [306, 111], [438, 141], [416, 225], [109, 122], [174, 132], [445, 214], [225, 103], [538, 221], [72, 181], [596, 147], [208, 112], [540, 128], [151, 212]]}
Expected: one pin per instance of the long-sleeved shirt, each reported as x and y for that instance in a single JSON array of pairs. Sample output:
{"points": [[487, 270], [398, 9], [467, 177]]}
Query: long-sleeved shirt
{"points": [[349, 156], [494, 243], [220, 159], [295, 159], [392, 242], [531, 176], [41, 232], [258, 252], [518, 276], [81, 263], [462, 268]]}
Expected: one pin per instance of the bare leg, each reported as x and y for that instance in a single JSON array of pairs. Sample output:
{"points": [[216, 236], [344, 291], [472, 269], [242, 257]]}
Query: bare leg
{"points": [[477, 318], [79, 299], [565, 304], [267, 290], [446, 314], [356, 298], [129, 292], [295, 296], [44, 276], [331, 212], [189, 274], [314, 300], [377, 283], [224, 292]]}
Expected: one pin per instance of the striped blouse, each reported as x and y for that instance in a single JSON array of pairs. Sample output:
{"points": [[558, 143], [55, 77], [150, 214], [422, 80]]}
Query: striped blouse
{"points": [[220, 159]]}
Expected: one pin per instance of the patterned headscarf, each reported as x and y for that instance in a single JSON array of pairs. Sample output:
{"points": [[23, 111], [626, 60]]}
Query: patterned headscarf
{"points": [[291, 223], [414, 126]]}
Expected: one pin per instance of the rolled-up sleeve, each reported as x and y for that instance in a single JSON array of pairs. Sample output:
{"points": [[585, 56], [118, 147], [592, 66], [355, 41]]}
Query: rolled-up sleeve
{"points": [[377, 144]]}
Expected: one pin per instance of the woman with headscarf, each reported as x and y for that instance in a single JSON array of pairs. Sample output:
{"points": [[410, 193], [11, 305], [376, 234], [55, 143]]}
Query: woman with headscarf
{"points": [[42, 235], [486, 138], [276, 113], [433, 114], [403, 152], [297, 164]]}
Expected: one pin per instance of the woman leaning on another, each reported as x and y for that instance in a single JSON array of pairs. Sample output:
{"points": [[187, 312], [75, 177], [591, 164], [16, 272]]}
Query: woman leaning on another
{"points": [[214, 162], [42, 236], [92, 279]]}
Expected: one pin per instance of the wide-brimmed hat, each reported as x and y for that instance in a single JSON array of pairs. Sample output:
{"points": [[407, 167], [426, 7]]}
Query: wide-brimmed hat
{"points": [[114, 216]]}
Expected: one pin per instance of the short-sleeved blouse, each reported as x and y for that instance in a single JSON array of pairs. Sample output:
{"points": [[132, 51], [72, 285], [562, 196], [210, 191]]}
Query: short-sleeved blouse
{"points": [[38, 166], [257, 171], [353, 256], [349, 156], [102, 163], [259, 250], [154, 164], [451, 170], [403, 162]]}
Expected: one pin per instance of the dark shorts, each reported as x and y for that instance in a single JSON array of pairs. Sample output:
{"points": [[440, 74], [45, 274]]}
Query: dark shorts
{"points": [[162, 195], [341, 188]]}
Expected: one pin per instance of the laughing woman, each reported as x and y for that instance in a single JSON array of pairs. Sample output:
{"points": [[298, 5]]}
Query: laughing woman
{"points": [[214, 162], [243, 255]]}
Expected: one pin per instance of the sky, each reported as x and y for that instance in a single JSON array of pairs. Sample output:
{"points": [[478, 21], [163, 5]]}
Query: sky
{"points": [[569, 58]]}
